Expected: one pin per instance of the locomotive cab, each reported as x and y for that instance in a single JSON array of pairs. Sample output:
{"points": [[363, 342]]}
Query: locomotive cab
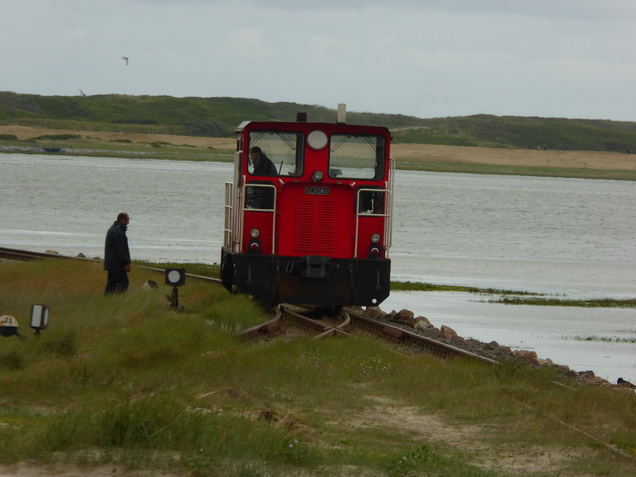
{"points": [[308, 215]]}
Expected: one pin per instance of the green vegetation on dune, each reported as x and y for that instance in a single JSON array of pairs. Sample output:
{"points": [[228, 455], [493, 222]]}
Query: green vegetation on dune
{"points": [[523, 132], [128, 381], [218, 117], [583, 303]]}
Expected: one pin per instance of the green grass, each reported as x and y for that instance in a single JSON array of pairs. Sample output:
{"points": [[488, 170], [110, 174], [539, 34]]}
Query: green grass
{"points": [[128, 381], [416, 286], [522, 132]]}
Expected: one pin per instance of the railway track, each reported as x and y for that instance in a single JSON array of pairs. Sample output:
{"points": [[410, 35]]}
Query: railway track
{"points": [[290, 322]]}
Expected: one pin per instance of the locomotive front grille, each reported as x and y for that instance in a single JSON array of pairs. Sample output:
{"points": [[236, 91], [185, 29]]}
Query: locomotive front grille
{"points": [[315, 226]]}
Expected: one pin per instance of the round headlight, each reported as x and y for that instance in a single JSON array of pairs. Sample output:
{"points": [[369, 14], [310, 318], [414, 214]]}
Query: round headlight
{"points": [[375, 238], [317, 176], [254, 233], [317, 140]]}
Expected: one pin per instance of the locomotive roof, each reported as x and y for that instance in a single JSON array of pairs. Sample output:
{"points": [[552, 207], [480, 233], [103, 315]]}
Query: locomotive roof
{"points": [[309, 126]]}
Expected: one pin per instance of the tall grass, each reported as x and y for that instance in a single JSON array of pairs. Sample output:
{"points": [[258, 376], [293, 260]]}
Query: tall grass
{"points": [[155, 426], [128, 379]]}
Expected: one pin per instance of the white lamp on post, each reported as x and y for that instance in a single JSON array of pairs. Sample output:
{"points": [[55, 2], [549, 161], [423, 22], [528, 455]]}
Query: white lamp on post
{"points": [[39, 317], [175, 277]]}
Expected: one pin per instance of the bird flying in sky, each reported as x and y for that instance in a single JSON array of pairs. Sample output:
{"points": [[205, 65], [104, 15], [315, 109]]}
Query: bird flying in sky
{"points": [[125, 58]]}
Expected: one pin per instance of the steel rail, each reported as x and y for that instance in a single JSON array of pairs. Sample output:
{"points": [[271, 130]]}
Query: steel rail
{"points": [[321, 328], [267, 329], [408, 338], [339, 329], [25, 256], [288, 316]]}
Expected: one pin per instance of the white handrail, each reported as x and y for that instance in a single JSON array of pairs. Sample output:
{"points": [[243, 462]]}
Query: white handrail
{"points": [[229, 212], [388, 223]]}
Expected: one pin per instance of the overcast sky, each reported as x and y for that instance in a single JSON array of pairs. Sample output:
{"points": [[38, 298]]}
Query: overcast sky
{"points": [[426, 58]]}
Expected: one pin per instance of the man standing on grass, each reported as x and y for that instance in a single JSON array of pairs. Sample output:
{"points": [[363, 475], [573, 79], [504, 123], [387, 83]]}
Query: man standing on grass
{"points": [[117, 256]]}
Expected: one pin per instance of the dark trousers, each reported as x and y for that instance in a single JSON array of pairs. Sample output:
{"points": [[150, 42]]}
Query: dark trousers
{"points": [[117, 282]]}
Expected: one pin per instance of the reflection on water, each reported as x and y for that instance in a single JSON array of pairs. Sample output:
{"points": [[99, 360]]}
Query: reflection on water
{"points": [[563, 236]]}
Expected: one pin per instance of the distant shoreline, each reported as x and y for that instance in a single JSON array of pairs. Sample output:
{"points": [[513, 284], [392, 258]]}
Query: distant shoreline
{"points": [[424, 157]]}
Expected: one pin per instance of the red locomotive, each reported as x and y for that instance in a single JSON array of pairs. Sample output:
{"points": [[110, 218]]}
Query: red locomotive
{"points": [[308, 216]]}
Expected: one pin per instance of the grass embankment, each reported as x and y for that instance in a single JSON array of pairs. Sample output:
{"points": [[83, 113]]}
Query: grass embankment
{"points": [[128, 381]]}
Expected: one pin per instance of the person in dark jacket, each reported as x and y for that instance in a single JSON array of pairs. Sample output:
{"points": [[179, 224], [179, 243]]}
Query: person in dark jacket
{"points": [[117, 256], [263, 165]]}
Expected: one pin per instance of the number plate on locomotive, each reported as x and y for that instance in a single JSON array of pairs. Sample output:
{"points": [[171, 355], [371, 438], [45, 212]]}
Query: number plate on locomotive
{"points": [[317, 190]]}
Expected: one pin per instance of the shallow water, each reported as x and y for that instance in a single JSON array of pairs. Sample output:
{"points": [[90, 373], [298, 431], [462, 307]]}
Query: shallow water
{"points": [[599, 339], [561, 236], [527, 233]]}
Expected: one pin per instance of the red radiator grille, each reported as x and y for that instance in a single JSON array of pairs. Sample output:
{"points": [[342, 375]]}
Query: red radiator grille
{"points": [[316, 214]]}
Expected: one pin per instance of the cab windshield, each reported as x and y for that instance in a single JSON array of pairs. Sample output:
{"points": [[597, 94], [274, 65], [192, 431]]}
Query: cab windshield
{"points": [[275, 153], [356, 156]]}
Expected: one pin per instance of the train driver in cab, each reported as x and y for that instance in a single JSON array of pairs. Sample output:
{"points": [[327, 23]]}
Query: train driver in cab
{"points": [[263, 166]]}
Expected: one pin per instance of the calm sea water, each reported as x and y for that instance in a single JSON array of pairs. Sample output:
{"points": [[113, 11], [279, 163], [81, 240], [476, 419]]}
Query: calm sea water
{"points": [[560, 236]]}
